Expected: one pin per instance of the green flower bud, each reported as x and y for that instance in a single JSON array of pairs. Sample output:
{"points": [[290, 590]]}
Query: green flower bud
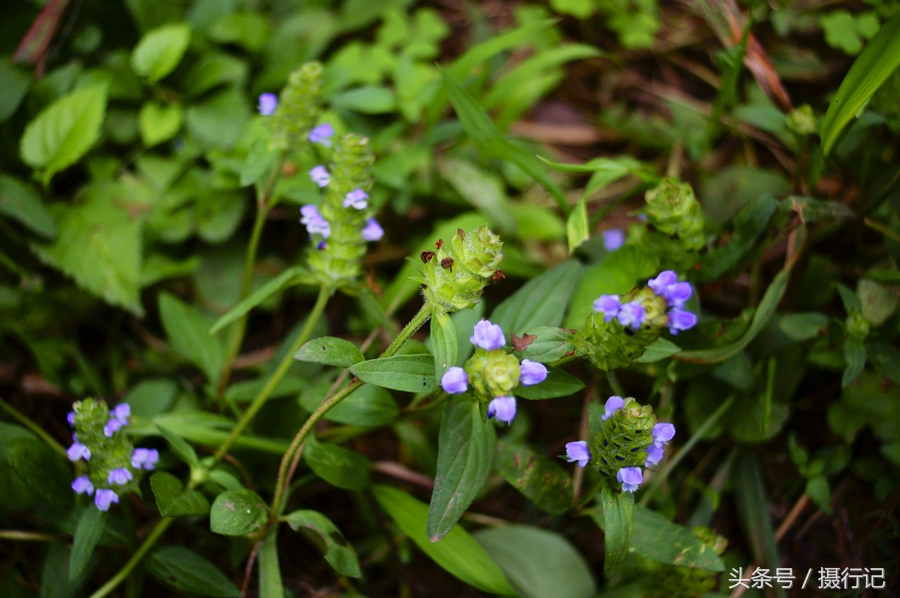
{"points": [[299, 106], [801, 120], [492, 373], [623, 439], [672, 209], [456, 273], [858, 326], [609, 345]]}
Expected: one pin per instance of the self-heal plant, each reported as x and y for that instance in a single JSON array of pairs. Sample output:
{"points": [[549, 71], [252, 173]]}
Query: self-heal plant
{"points": [[492, 373]]}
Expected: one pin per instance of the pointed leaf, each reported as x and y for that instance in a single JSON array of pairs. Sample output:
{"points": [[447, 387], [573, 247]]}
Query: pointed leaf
{"points": [[237, 513], [338, 551], [87, 534], [658, 350], [410, 373], [188, 571], [577, 226], [287, 278], [540, 479], [617, 513], [160, 51], [336, 465], [557, 384], [444, 343], [330, 350], [187, 331], [541, 301], [173, 501], [19, 201]]}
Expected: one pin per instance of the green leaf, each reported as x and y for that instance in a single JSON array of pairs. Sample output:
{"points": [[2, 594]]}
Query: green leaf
{"points": [[458, 553], [880, 58], [181, 448], [551, 344], [186, 570], [366, 100], [557, 384], [818, 490], [173, 501], [541, 301], [802, 326], [656, 538], [270, 584], [288, 278], [577, 226], [538, 563], [749, 226], [877, 303], [658, 350], [87, 534], [484, 190], [219, 121], [336, 465], [410, 373], [338, 551], [540, 479], [489, 140], [465, 456], [149, 398], [160, 51], [369, 406], [19, 201], [237, 513], [855, 356], [330, 350], [159, 122], [42, 469], [248, 29], [187, 331], [14, 84], [99, 245], [444, 343], [617, 518], [64, 131]]}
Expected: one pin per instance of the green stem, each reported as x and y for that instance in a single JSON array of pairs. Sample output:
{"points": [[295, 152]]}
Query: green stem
{"points": [[882, 229], [15, 535], [33, 427], [119, 577], [266, 391], [294, 451], [674, 461]]}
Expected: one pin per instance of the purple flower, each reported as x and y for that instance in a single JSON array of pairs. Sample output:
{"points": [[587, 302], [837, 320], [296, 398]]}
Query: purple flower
{"points": [[77, 451], [609, 306], [663, 433], [120, 476], [314, 221], [112, 426], [666, 285], [268, 102], [631, 478], [503, 407], [322, 244], [613, 404], [631, 314], [654, 455], [82, 485], [322, 134], [488, 336], [578, 451], [662, 282], [455, 381], [356, 199], [104, 498], [320, 176], [613, 239], [373, 230], [143, 458], [71, 418], [532, 372], [681, 320], [122, 412]]}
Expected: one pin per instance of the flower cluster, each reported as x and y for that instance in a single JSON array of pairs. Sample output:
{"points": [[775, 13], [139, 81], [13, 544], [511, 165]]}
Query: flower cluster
{"points": [[296, 111], [492, 373], [629, 440], [114, 466], [643, 307]]}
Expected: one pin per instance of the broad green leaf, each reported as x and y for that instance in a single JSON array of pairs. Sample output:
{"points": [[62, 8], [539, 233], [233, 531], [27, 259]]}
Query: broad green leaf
{"points": [[485, 191], [186, 570], [160, 51], [181, 448], [87, 534], [549, 345], [658, 539], [538, 563], [54, 577], [173, 501], [270, 584], [159, 122], [658, 350], [557, 384], [366, 100], [458, 553], [410, 373], [19, 201], [577, 226], [14, 84], [855, 356], [149, 398], [39, 467], [489, 140], [187, 330], [880, 58], [219, 120], [748, 227], [802, 326], [237, 513], [248, 29], [617, 518], [818, 490], [99, 245], [540, 479], [287, 278], [541, 301], [338, 551], [64, 131], [877, 302], [336, 465], [465, 456], [330, 350], [368, 405], [444, 343], [213, 70]]}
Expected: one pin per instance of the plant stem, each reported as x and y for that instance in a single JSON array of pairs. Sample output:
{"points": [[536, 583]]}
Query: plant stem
{"points": [[291, 457], [266, 391], [119, 577], [9, 534], [33, 427]]}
